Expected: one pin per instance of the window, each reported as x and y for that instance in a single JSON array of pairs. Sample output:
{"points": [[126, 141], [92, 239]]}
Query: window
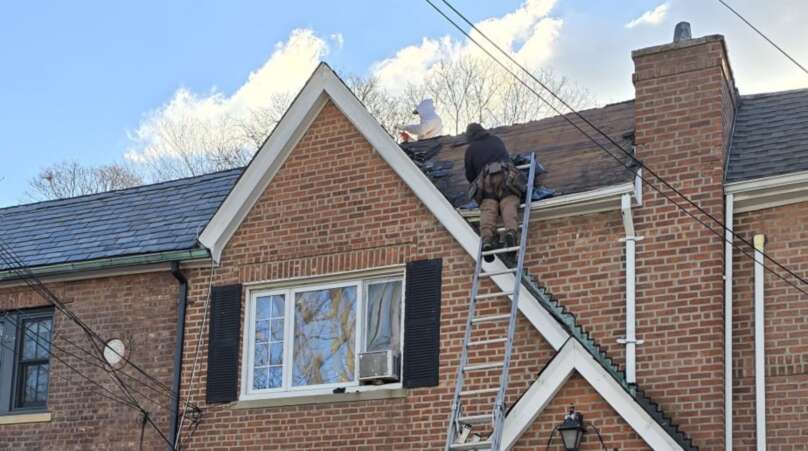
{"points": [[308, 338], [24, 360]]}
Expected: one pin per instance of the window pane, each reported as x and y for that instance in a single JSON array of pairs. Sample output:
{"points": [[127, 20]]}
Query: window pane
{"points": [[268, 339], [34, 385], [35, 339], [325, 331], [383, 320]]}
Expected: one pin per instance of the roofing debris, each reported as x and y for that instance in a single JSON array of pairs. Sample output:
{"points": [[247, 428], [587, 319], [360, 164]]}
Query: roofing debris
{"points": [[573, 163]]}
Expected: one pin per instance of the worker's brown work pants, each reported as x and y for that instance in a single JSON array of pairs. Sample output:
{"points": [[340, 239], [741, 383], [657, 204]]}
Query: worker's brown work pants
{"points": [[497, 199]]}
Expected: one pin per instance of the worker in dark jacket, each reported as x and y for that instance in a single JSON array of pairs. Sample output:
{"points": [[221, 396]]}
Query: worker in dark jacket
{"points": [[487, 163]]}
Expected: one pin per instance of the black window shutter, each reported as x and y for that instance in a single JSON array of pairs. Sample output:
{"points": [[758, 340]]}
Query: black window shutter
{"points": [[422, 323], [224, 335]]}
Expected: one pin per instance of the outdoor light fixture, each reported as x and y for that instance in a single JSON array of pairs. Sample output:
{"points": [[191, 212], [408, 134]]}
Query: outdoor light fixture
{"points": [[572, 431]]}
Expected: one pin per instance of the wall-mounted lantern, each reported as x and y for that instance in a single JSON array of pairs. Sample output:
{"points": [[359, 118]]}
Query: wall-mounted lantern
{"points": [[572, 431]]}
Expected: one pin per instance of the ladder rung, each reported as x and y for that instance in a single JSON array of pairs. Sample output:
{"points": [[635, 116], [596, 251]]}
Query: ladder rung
{"points": [[473, 445], [523, 166], [498, 273], [494, 295], [501, 250], [488, 341], [480, 391], [488, 318], [476, 419], [483, 366]]}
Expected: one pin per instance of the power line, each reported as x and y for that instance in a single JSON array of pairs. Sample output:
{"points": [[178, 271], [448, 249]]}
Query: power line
{"points": [[20, 269], [178, 438], [779, 49], [632, 157]]}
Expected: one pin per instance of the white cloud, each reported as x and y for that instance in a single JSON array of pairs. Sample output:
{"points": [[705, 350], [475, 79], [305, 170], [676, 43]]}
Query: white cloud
{"points": [[284, 72], [526, 32], [652, 17]]}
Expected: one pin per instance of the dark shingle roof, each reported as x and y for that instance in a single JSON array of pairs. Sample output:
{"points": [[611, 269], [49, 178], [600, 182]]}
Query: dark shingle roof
{"points": [[771, 136], [152, 218], [573, 163]]}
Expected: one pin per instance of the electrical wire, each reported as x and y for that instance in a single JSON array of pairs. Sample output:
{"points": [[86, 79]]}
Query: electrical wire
{"points": [[178, 438], [19, 268], [7, 316], [779, 49], [631, 156]]}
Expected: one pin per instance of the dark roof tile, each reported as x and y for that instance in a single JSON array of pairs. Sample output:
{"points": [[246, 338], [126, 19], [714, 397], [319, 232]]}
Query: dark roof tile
{"points": [[152, 218], [771, 136]]}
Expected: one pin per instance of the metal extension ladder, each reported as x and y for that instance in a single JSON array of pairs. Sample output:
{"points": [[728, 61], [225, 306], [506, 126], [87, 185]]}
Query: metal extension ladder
{"points": [[463, 420]]}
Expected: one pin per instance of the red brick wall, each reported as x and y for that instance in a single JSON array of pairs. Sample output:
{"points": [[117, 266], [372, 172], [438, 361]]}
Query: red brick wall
{"points": [[139, 309], [786, 331], [681, 126], [336, 206]]}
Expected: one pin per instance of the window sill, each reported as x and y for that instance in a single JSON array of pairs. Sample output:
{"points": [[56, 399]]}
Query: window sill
{"points": [[22, 418], [298, 399]]}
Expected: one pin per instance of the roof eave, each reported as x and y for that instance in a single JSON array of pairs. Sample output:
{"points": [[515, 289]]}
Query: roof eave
{"points": [[127, 264], [767, 192], [594, 201]]}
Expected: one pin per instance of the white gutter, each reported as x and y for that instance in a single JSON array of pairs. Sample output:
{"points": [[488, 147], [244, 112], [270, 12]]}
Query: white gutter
{"points": [[630, 340], [593, 201], [767, 192], [728, 239], [760, 352]]}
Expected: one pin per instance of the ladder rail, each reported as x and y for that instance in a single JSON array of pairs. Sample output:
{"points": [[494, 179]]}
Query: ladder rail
{"points": [[498, 413], [499, 403], [454, 416]]}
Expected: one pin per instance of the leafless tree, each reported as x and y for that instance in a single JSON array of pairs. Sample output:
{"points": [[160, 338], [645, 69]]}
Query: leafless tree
{"points": [[388, 109], [70, 179]]}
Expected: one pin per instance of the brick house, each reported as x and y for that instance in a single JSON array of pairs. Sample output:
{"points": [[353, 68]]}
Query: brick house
{"points": [[270, 281]]}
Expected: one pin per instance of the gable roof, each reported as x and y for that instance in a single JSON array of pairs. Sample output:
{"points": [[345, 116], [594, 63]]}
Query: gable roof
{"points": [[323, 85], [147, 219], [573, 163], [770, 137]]}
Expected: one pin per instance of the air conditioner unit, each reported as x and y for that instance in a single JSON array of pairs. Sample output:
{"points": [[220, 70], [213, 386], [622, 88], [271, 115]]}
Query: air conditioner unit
{"points": [[379, 366]]}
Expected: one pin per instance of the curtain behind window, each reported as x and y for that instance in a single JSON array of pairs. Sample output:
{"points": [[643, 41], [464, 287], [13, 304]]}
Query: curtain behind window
{"points": [[383, 323]]}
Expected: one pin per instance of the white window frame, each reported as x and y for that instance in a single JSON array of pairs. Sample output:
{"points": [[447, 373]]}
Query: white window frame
{"points": [[289, 289]]}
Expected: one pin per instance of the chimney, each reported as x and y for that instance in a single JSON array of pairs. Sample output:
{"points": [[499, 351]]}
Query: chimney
{"points": [[683, 111]]}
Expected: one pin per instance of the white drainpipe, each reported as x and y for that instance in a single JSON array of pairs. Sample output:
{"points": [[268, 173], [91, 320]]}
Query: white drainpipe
{"points": [[630, 339], [728, 238], [760, 352]]}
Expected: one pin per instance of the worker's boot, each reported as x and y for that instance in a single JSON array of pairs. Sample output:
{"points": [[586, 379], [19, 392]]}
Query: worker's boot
{"points": [[488, 245], [510, 238]]}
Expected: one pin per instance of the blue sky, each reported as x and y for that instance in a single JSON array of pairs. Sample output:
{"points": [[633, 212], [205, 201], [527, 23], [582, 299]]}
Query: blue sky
{"points": [[79, 78]]}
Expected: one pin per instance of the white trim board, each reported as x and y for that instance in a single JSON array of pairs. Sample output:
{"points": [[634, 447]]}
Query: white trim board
{"points": [[767, 192], [324, 84], [573, 357], [583, 203]]}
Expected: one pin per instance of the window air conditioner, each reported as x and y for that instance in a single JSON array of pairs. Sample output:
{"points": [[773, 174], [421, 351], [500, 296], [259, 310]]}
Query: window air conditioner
{"points": [[378, 367]]}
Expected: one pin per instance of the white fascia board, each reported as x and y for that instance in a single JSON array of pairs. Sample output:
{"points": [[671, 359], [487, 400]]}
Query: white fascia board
{"points": [[573, 356], [584, 203], [538, 396], [322, 85], [767, 192]]}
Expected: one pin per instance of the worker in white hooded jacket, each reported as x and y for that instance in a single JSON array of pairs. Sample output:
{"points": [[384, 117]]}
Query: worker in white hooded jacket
{"points": [[430, 125]]}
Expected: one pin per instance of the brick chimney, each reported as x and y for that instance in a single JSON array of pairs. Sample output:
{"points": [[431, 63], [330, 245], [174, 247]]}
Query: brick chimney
{"points": [[685, 100]]}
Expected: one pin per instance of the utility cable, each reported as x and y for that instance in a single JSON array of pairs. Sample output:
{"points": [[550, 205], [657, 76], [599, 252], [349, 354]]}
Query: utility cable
{"points": [[178, 438], [626, 152], [19, 268], [779, 49], [52, 345]]}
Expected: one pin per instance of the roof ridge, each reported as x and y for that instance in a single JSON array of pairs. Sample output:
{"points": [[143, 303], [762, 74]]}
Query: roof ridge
{"points": [[568, 320], [148, 186], [773, 93]]}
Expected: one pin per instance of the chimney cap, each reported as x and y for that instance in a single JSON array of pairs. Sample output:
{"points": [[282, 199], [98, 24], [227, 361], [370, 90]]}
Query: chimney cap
{"points": [[682, 32]]}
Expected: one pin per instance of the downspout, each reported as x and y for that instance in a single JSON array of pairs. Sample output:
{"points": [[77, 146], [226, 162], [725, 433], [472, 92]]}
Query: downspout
{"points": [[182, 302], [729, 199], [760, 352], [630, 340]]}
